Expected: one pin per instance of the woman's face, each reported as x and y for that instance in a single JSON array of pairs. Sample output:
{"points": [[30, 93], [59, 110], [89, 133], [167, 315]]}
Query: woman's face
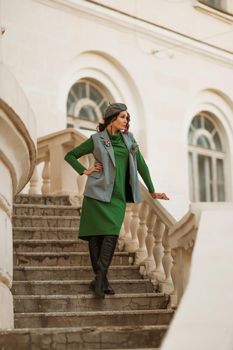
{"points": [[121, 121]]}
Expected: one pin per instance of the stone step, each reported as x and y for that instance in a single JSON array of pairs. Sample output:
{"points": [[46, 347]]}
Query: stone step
{"points": [[42, 199], [93, 318], [85, 302], [77, 287], [63, 245], [65, 259], [45, 233], [45, 210], [45, 221], [54, 273], [50, 245], [86, 338]]}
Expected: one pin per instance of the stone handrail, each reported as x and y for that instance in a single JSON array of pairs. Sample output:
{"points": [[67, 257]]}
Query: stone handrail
{"points": [[17, 161], [182, 238], [160, 244]]}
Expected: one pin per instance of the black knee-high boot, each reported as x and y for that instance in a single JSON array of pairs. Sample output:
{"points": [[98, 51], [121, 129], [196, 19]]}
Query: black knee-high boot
{"points": [[106, 253], [94, 245]]}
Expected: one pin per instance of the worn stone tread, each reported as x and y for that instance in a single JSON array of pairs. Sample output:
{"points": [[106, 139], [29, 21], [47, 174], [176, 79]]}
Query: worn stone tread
{"points": [[45, 217], [78, 329], [85, 296], [68, 272], [84, 338], [94, 313], [88, 302], [51, 241], [42, 228], [78, 286], [49, 206], [45, 254], [49, 245], [42, 199], [93, 318]]}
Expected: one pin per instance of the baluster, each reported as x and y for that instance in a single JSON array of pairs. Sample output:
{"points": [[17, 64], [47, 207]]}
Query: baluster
{"points": [[45, 189], [166, 285], [173, 301], [141, 252], [128, 233], [157, 274], [149, 262], [34, 182], [121, 241], [133, 245]]}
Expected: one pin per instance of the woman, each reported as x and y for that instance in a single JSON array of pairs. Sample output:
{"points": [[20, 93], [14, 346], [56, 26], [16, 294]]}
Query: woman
{"points": [[111, 183]]}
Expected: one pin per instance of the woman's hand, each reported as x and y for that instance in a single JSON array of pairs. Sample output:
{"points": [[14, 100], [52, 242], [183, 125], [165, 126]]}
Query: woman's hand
{"points": [[156, 195], [96, 167]]}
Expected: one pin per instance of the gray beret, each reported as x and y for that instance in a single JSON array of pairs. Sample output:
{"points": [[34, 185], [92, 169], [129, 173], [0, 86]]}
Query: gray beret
{"points": [[113, 109]]}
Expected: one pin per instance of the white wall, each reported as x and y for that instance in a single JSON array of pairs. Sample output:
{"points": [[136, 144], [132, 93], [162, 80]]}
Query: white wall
{"points": [[49, 47], [204, 317]]}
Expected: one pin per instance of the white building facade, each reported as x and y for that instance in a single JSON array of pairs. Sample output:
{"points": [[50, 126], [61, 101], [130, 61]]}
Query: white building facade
{"points": [[73, 57], [169, 61]]}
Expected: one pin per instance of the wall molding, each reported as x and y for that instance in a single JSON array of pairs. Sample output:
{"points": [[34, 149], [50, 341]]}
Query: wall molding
{"points": [[164, 36]]}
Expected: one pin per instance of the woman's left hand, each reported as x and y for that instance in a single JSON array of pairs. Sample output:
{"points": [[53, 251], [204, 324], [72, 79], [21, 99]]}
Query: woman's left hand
{"points": [[157, 195]]}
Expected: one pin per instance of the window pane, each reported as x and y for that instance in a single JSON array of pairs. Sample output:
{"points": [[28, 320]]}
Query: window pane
{"points": [[208, 125], [220, 181], [217, 142], [88, 113], [103, 107], [79, 90], [197, 122], [95, 95], [191, 183], [205, 179], [221, 5], [190, 135], [202, 141]]}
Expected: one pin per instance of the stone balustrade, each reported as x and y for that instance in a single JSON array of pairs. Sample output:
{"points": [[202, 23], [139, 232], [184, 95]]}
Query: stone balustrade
{"points": [[17, 161], [182, 237], [52, 174], [162, 246]]}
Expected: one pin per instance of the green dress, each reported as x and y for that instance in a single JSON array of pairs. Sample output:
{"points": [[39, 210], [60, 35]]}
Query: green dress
{"points": [[102, 218]]}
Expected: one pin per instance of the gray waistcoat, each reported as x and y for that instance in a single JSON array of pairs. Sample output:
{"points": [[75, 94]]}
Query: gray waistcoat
{"points": [[100, 184]]}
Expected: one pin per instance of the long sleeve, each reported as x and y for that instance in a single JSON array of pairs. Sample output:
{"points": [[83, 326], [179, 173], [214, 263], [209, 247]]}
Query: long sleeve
{"points": [[71, 157], [144, 171]]}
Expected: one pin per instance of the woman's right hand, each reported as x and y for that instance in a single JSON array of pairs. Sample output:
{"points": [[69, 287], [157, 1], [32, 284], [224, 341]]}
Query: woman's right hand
{"points": [[97, 167]]}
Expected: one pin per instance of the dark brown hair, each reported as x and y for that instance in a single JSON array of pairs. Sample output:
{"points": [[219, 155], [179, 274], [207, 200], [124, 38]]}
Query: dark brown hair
{"points": [[107, 121]]}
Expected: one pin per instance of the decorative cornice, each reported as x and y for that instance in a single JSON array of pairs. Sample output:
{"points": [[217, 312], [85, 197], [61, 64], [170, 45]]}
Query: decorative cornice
{"points": [[164, 36]]}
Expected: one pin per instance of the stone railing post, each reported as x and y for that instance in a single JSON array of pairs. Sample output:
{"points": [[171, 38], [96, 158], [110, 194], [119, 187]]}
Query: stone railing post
{"points": [[149, 262], [157, 274], [166, 286], [181, 240], [141, 252], [34, 182], [46, 180], [128, 241], [132, 245]]}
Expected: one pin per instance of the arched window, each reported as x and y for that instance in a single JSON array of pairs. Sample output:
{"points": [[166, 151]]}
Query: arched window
{"points": [[206, 160], [219, 5], [86, 103]]}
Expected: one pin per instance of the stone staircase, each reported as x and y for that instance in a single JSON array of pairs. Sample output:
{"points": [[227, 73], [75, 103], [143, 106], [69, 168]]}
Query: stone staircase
{"points": [[53, 306]]}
